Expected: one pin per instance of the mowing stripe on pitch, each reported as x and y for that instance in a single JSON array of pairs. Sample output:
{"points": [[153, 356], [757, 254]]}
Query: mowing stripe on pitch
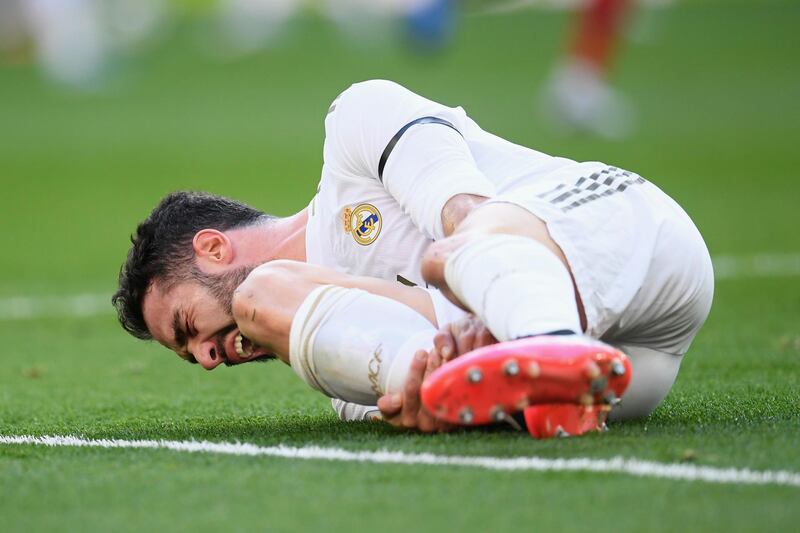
{"points": [[69, 305], [616, 465], [756, 266], [726, 267]]}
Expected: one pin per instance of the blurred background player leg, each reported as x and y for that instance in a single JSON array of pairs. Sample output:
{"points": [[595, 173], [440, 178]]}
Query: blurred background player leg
{"points": [[248, 26], [71, 48], [364, 22], [79, 42], [14, 34], [427, 25], [578, 96]]}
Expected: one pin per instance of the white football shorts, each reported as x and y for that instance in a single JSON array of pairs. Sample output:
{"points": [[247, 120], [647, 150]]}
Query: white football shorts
{"points": [[641, 267]]}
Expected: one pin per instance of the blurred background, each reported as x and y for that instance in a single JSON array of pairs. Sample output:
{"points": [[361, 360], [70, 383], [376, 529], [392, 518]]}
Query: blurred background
{"points": [[107, 105]]}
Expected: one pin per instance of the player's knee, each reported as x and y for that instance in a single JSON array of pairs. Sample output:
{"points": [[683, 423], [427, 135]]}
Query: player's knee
{"points": [[653, 374], [435, 257], [432, 266]]}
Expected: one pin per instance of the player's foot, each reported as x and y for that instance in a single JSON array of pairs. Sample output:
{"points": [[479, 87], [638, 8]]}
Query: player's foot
{"points": [[565, 419], [489, 384]]}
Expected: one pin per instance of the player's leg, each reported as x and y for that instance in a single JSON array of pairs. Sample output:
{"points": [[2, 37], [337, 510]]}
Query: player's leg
{"points": [[621, 239], [70, 44], [502, 264], [355, 412], [349, 337], [355, 338], [250, 25], [599, 26], [491, 383], [666, 314], [655, 373], [578, 95], [354, 345]]}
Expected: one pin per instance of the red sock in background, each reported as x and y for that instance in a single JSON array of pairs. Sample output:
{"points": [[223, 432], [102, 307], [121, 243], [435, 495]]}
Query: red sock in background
{"points": [[599, 25]]}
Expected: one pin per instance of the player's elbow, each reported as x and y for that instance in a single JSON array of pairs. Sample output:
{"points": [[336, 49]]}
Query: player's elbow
{"points": [[367, 98], [372, 87]]}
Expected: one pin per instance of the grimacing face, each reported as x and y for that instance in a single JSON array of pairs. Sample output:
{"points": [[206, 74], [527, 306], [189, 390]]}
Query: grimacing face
{"points": [[194, 322]]}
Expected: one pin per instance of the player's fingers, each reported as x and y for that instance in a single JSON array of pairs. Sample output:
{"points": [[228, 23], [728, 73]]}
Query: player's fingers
{"points": [[425, 422], [434, 362], [394, 421], [466, 340], [444, 427], [416, 373], [445, 344], [390, 405], [484, 337], [429, 423]]}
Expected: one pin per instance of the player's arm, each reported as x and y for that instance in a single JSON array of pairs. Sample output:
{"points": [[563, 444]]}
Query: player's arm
{"points": [[411, 146], [265, 304], [348, 337]]}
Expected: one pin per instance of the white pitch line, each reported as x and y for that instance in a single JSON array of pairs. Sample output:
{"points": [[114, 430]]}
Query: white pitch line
{"points": [[616, 465], [726, 267]]}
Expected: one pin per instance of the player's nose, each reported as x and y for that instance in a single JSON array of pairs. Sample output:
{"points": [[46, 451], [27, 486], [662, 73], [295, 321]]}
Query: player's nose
{"points": [[206, 355]]}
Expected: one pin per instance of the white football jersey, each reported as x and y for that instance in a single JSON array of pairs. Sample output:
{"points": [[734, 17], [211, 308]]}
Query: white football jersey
{"points": [[392, 159]]}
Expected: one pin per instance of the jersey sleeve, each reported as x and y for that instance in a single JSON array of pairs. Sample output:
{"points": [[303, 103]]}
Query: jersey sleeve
{"points": [[413, 146]]}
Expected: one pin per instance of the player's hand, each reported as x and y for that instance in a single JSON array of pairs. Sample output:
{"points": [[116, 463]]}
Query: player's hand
{"points": [[462, 336], [405, 409]]}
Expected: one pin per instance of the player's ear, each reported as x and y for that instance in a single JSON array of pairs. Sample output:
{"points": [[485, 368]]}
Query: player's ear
{"points": [[212, 247]]}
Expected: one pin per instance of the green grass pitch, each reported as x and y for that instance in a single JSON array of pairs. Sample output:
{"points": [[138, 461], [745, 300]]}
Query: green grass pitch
{"points": [[716, 86]]}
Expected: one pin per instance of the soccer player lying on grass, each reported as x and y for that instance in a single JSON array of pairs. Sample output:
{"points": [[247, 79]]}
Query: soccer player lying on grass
{"points": [[537, 247]]}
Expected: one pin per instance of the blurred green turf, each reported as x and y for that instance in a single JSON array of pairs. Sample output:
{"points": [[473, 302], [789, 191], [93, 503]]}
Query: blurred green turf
{"points": [[716, 86]]}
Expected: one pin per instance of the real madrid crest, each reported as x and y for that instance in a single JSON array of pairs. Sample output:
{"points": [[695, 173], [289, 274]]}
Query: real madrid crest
{"points": [[363, 222]]}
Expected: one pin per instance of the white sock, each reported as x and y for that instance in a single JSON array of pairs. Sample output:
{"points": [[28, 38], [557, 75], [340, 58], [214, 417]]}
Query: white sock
{"points": [[354, 345], [515, 285]]}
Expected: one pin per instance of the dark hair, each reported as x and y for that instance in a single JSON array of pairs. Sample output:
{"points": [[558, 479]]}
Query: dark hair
{"points": [[162, 248]]}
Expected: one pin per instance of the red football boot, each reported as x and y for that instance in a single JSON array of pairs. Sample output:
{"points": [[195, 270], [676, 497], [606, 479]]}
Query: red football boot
{"points": [[565, 420], [489, 383]]}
